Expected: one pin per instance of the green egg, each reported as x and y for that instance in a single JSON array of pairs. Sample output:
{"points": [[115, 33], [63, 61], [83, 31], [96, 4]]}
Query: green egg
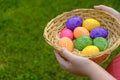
{"points": [[82, 42], [101, 43]]}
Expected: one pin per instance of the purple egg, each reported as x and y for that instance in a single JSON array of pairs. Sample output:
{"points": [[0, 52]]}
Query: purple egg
{"points": [[99, 32], [74, 22]]}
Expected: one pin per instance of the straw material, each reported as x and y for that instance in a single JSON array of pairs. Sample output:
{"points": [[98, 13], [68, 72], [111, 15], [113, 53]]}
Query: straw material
{"points": [[54, 27]]}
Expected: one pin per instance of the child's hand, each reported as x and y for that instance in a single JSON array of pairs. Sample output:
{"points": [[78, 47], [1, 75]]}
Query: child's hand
{"points": [[75, 64], [82, 66], [109, 10]]}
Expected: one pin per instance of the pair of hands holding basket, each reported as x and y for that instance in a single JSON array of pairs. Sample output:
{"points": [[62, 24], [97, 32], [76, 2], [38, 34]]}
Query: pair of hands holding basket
{"points": [[84, 66]]}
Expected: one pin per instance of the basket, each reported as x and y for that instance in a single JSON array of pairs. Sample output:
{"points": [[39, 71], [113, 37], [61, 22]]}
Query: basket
{"points": [[53, 28]]}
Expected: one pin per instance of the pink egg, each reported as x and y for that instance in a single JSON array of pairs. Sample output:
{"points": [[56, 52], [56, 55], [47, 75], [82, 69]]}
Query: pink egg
{"points": [[66, 33]]}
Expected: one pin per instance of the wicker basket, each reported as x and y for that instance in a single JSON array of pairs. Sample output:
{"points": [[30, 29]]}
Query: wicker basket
{"points": [[53, 28]]}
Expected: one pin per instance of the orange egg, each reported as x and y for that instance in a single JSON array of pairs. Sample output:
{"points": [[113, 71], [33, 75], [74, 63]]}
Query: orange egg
{"points": [[80, 31], [66, 43]]}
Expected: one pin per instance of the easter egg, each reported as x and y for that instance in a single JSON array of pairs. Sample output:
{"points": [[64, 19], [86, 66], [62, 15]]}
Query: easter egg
{"points": [[66, 43], [80, 31], [99, 32], [66, 33], [74, 22], [82, 42], [101, 43], [90, 23], [90, 50]]}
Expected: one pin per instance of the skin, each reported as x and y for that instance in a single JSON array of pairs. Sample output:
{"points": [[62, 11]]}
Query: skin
{"points": [[83, 66], [109, 10]]}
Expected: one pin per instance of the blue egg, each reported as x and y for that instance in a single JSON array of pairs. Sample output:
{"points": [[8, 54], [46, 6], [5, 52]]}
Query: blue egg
{"points": [[99, 32], [74, 22]]}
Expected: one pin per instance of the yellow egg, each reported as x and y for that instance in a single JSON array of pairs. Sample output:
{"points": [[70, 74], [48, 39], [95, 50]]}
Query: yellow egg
{"points": [[90, 50], [90, 23], [66, 43]]}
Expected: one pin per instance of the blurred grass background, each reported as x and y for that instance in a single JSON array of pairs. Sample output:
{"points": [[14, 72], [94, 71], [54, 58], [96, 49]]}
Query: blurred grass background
{"points": [[24, 55]]}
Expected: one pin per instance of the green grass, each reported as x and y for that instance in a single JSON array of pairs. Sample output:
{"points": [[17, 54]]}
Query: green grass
{"points": [[24, 55]]}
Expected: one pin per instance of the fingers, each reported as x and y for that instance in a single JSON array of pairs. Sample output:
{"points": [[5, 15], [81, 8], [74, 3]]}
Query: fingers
{"points": [[101, 7], [65, 64], [68, 55], [71, 57], [107, 9]]}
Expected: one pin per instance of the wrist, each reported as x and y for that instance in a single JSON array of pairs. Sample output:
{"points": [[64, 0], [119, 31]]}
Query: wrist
{"points": [[92, 69], [96, 72]]}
